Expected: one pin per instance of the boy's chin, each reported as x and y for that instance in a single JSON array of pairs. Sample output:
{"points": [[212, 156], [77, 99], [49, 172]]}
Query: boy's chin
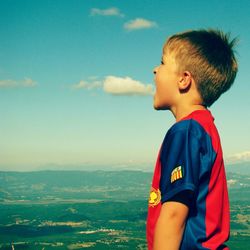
{"points": [[159, 107]]}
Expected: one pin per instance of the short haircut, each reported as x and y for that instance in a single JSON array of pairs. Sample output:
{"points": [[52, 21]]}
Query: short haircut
{"points": [[209, 56]]}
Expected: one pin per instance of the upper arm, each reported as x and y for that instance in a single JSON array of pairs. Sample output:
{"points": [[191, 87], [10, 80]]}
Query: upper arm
{"points": [[170, 226], [175, 211]]}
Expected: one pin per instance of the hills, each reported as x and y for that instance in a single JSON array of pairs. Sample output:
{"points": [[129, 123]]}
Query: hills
{"points": [[92, 209]]}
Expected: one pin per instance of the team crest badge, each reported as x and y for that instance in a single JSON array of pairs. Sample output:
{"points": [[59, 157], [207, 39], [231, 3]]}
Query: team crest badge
{"points": [[154, 197], [177, 174]]}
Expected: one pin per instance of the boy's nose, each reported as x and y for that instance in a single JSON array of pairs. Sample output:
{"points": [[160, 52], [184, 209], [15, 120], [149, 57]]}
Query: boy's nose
{"points": [[155, 70]]}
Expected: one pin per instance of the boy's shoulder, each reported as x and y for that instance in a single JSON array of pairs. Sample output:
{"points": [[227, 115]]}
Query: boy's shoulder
{"points": [[197, 128], [197, 121]]}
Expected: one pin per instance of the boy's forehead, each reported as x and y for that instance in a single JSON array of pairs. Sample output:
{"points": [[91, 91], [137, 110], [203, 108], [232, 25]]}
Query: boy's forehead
{"points": [[169, 57]]}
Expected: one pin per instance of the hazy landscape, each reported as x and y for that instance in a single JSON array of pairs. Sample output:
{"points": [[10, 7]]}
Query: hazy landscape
{"points": [[95, 209]]}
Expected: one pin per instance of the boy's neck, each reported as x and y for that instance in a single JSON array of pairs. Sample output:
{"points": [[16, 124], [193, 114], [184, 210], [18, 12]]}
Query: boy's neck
{"points": [[183, 111]]}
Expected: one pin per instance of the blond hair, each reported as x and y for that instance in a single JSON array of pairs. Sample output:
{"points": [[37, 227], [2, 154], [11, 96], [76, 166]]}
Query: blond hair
{"points": [[209, 56]]}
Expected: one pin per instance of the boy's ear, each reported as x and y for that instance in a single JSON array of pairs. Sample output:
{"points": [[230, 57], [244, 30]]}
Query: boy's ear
{"points": [[185, 81]]}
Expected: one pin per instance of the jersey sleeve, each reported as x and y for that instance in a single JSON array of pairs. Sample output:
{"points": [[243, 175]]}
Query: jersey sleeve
{"points": [[180, 161]]}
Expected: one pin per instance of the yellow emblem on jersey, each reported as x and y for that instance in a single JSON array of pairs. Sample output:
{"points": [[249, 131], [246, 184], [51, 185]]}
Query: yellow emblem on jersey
{"points": [[176, 174], [154, 197]]}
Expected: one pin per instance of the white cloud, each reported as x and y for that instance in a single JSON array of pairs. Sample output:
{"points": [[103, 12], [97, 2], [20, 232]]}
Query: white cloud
{"points": [[239, 157], [139, 23], [116, 86], [106, 12], [126, 86], [28, 82], [87, 85], [9, 83]]}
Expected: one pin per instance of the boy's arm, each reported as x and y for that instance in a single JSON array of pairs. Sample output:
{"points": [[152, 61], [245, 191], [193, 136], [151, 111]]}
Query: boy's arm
{"points": [[170, 226]]}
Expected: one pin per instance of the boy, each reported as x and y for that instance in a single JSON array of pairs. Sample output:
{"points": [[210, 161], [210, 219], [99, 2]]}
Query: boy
{"points": [[188, 204]]}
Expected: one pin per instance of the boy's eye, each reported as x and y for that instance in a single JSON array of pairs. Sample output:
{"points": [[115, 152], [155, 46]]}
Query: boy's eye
{"points": [[162, 62]]}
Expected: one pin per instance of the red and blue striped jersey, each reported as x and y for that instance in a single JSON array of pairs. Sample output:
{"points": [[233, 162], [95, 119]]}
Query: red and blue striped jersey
{"points": [[191, 159]]}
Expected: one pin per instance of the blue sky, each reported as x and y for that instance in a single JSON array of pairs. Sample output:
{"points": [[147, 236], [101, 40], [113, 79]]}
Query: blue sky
{"points": [[76, 79]]}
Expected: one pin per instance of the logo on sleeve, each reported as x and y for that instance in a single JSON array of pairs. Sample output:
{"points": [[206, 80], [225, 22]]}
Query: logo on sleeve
{"points": [[177, 174], [154, 197]]}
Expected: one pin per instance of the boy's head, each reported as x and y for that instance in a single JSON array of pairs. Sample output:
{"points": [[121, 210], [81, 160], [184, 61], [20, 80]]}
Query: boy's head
{"points": [[209, 56]]}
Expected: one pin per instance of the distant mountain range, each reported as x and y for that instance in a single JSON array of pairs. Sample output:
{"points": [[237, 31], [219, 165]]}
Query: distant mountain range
{"points": [[239, 168]]}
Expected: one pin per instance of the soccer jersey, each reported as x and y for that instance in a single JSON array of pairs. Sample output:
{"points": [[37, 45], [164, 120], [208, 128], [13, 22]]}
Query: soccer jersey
{"points": [[191, 159]]}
